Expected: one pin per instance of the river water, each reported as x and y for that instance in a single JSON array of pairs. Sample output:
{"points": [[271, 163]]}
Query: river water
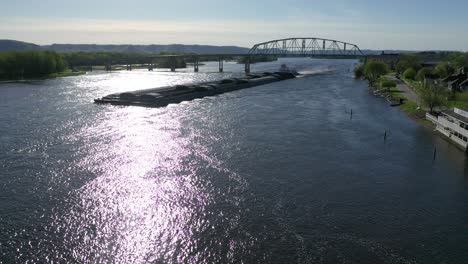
{"points": [[278, 173]]}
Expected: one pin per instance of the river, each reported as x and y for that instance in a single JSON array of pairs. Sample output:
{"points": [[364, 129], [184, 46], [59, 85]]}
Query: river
{"points": [[279, 173]]}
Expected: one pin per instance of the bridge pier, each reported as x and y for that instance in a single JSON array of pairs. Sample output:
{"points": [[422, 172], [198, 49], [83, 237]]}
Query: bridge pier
{"points": [[247, 65], [173, 64], [195, 64], [221, 65]]}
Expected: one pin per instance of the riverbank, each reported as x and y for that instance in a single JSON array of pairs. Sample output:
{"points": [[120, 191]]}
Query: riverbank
{"points": [[411, 88], [411, 105], [397, 90], [68, 73]]}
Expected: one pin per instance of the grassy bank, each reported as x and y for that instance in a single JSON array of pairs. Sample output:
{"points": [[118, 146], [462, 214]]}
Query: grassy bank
{"points": [[410, 108]]}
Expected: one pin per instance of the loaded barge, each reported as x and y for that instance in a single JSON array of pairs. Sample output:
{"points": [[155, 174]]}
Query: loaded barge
{"points": [[159, 97]]}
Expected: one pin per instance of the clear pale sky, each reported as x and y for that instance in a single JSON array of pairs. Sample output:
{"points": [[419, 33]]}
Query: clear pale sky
{"points": [[398, 24]]}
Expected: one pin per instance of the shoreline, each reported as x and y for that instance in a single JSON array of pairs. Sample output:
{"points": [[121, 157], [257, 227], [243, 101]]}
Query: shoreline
{"points": [[409, 108], [410, 103], [52, 76]]}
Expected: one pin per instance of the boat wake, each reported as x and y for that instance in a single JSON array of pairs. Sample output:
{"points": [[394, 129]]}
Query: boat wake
{"points": [[316, 71]]}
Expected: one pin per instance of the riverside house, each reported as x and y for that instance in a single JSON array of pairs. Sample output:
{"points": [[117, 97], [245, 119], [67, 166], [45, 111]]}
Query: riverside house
{"points": [[453, 125], [457, 82]]}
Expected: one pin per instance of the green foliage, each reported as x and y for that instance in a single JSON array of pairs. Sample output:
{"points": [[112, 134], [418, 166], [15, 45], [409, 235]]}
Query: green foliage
{"points": [[410, 73], [458, 59], [406, 62], [26, 64], [433, 95], [444, 69], [460, 100], [422, 73], [167, 63], [80, 59], [385, 83], [373, 70], [359, 71]]}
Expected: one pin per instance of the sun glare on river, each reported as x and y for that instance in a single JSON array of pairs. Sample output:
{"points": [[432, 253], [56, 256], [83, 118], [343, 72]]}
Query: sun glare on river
{"points": [[139, 206]]}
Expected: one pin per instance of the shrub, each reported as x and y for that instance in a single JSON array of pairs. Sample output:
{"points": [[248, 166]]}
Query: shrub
{"points": [[373, 70], [359, 71], [409, 73], [385, 83]]}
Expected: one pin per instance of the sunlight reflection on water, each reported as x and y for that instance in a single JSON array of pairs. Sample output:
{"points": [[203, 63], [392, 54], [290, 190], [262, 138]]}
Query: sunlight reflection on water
{"points": [[147, 201], [277, 173]]}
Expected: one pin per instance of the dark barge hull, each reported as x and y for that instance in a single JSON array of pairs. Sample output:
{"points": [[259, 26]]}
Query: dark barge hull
{"points": [[159, 97]]}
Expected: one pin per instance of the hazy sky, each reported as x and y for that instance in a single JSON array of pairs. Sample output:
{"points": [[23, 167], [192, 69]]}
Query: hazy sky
{"points": [[398, 24]]}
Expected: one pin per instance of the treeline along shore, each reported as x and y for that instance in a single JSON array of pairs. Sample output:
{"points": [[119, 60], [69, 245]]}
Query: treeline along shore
{"points": [[18, 65], [423, 82], [30, 64], [84, 59]]}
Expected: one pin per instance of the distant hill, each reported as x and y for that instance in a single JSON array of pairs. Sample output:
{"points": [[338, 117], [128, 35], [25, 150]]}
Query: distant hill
{"points": [[378, 52], [14, 45], [11, 45], [205, 49]]}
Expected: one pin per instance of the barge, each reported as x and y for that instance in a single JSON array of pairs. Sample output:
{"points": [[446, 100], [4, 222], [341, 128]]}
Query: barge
{"points": [[159, 97]]}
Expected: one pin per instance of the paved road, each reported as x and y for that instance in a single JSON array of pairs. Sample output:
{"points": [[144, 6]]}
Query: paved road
{"points": [[407, 91]]}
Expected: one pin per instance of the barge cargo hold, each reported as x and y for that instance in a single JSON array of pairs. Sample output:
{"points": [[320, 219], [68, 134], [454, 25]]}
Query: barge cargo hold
{"points": [[159, 97]]}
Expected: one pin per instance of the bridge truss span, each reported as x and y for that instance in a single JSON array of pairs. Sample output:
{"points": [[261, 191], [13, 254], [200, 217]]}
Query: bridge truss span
{"points": [[314, 47]]}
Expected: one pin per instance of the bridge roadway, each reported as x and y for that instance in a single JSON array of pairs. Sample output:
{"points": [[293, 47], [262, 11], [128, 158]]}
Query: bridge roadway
{"points": [[196, 58], [290, 47]]}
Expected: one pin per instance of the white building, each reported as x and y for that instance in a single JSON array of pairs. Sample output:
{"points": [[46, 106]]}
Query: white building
{"points": [[453, 124]]}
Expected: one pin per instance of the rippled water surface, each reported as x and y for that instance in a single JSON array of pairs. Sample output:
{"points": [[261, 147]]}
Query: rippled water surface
{"points": [[278, 173]]}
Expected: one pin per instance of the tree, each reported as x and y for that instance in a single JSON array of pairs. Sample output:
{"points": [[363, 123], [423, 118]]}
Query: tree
{"points": [[410, 73], [458, 59], [444, 69], [433, 95], [422, 73], [406, 62], [373, 70], [17, 65]]}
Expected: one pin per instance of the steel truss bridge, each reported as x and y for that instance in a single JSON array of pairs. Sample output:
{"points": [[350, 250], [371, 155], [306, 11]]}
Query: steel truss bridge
{"points": [[289, 47], [306, 47]]}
